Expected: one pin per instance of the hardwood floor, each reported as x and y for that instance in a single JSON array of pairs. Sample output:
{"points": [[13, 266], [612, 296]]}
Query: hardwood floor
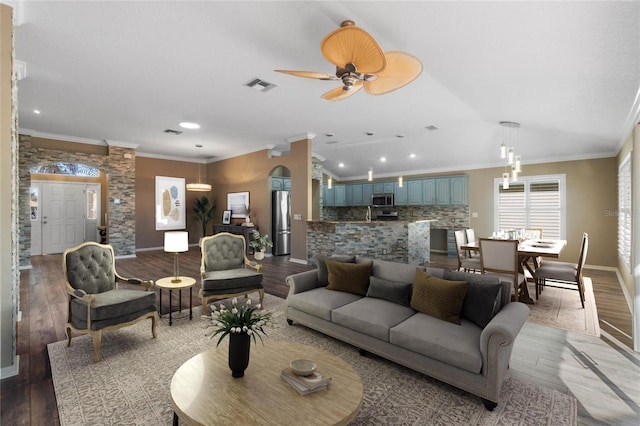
{"points": [[584, 366]]}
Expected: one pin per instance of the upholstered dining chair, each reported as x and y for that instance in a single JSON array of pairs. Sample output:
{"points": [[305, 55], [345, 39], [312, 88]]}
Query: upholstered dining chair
{"points": [[470, 233], [500, 257], [96, 304], [225, 270], [564, 273], [465, 262]]}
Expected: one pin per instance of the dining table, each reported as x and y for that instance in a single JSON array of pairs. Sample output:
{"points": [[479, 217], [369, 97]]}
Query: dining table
{"points": [[529, 251]]}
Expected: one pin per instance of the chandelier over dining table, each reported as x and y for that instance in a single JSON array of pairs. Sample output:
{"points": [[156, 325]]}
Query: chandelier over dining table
{"points": [[508, 152]]}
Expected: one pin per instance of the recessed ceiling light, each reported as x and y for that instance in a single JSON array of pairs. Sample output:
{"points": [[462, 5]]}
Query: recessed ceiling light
{"points": [[341, 165], [400, 136], [431, 127], [412, 155], [383, 159], [36, 111], [187, 125], [329, 135], [369, 133]]}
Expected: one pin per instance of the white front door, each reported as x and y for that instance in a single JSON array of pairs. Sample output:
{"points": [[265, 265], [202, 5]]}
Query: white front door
{"points": [[62, 216]]}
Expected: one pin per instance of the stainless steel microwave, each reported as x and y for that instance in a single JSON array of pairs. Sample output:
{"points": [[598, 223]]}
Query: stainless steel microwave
{"points": [[382, 200]]}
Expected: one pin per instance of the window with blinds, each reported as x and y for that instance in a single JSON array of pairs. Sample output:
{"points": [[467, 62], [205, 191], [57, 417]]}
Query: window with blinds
{"points": [[532, 202], [624, 211]]}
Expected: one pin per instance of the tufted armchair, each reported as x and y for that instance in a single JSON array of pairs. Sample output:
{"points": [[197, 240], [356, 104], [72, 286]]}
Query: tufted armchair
{"points": [[96, 304], [225, 269]]}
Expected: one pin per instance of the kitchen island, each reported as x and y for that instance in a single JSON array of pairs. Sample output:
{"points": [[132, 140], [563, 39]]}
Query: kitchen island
{"points": [[397, 241]]}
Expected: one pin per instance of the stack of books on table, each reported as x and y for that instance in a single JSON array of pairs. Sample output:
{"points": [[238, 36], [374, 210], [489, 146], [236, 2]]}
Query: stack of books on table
{"points": [[305, 384]]}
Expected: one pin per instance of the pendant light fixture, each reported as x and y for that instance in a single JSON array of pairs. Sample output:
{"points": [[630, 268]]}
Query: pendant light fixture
{"points": [[508, 149], [329, 183], [199, 186], [370, 174], [400, 182]]}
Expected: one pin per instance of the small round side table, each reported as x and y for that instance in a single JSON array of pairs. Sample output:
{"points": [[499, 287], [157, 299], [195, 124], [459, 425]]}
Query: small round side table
{"points": [[167, 284]]}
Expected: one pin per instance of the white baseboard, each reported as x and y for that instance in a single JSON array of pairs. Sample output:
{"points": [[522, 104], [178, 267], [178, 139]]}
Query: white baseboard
{"points": [[12, 370], [126, 256], [25, 267], [301, 261]]}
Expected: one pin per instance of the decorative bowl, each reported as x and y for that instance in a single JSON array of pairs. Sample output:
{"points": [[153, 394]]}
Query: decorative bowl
{"points": [[303, 367]]}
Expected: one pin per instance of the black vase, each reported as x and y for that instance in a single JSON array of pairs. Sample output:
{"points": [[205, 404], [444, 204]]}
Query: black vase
{"points": [[239, 345]]}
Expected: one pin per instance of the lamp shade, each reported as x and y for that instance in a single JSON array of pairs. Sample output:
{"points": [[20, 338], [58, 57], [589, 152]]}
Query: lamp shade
{"points": [[176, 241]]}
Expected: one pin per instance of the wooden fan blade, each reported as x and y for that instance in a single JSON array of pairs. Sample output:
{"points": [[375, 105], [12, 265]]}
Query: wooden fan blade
{"points": [[339, 93], [401, 70], [353, 45], [309, 74]]}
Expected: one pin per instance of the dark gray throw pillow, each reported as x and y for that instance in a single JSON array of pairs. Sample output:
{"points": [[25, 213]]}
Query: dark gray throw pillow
{"points": [[392, 291], [323, 273], [482, 301]]}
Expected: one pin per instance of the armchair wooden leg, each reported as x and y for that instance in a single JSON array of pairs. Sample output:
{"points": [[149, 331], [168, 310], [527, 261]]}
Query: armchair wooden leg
{"points": [[154, 322], [97, 339], [261, 292]]}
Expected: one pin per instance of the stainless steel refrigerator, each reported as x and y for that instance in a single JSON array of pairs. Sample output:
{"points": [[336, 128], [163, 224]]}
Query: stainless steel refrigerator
{"points": [[281, 222]]}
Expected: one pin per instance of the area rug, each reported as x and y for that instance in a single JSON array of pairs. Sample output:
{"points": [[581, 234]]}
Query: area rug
{"points": [[131, 384], [561, 308]]}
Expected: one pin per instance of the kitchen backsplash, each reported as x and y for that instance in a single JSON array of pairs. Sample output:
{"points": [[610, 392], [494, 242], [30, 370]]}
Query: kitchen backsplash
{"points": [[446, 217]]}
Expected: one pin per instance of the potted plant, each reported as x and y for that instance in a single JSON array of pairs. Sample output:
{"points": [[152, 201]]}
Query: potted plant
{"points": [[203, 210], [260, 243], [240, 323]]}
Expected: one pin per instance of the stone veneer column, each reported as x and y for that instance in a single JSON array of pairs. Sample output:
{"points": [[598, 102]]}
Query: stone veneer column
{"points": [[120, 167], [317, 173]]}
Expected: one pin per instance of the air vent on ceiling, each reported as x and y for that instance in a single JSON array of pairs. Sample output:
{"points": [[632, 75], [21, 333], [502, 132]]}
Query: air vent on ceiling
{"points": [[330, 142], [260, 85], [432, 127], [173, 132]]}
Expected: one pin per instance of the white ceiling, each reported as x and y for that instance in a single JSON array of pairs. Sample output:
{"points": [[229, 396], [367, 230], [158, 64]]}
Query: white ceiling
{"points": [[125, 71]]}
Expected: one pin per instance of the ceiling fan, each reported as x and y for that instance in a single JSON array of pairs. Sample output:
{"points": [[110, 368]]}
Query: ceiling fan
{"points": [[360, 62]]}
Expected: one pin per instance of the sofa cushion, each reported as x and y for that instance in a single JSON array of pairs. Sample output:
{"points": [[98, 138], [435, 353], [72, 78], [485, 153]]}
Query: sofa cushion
{"points": [[390, 290], [320, 301], [393, 271], [437, 297], [483, 299], [323, 274], [349, 277], [457, 345], [370, 316]]}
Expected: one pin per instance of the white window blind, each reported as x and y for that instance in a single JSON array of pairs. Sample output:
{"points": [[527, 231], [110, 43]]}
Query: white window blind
{"points": [[624, 211], [532, 202]]}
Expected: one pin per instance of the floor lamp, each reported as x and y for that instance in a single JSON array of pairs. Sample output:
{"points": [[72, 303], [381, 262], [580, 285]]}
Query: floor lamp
{"points": [[176, 242]]}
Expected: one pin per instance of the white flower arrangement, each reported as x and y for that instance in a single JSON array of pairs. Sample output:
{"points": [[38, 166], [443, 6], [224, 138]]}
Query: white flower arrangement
{"points": [[245, 318]]}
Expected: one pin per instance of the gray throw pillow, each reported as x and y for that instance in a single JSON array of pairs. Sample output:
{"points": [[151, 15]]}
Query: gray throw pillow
{"points": [[392, 291], [323, 273], [482, 301]]}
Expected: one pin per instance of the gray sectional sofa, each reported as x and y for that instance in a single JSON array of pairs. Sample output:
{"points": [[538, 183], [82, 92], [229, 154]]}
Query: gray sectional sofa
{"points": [[470, 355]]}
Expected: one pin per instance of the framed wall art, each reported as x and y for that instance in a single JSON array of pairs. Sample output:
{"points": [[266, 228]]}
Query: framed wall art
{"points": [[170, 198], [238, 203], [226, 217]]}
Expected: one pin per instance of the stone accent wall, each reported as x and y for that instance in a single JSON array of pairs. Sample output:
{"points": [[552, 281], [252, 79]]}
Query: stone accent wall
{"points": [[378, 240], [443, 217], [121, 172], [317, 173]]}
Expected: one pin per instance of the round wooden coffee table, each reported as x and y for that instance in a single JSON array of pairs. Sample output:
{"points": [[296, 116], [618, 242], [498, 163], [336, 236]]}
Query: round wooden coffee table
{"points": [[204, 393]]}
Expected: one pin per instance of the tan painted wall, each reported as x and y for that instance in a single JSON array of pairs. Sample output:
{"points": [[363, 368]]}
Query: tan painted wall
{"points": [[146, 171], [252, 172], [591, 193], [7, 263]]}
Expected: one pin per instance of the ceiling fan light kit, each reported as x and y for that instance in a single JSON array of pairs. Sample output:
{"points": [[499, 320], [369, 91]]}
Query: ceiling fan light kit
{"points": [[361, 62], [508, 152]]}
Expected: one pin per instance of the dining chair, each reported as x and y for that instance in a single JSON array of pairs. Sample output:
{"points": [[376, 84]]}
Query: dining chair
{"points": [[500, 257], [471, 239], [465, 262], [565, 274], [533, 233]]}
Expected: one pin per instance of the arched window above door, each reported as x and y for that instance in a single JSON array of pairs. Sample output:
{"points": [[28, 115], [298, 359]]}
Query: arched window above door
{"points": [[70, 169]]}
